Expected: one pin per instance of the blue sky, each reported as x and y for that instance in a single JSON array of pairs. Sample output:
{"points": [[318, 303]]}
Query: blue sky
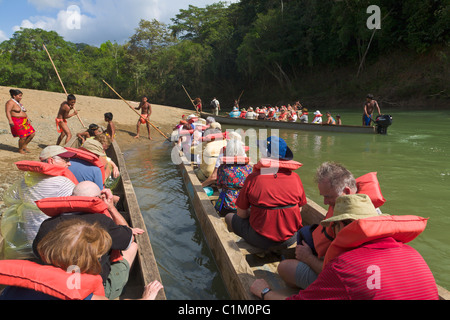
{"points": [[88, 21]]}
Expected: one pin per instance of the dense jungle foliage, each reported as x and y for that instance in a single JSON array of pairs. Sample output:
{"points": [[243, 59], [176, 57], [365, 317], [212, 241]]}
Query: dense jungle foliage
{"points": [[274, 50]]}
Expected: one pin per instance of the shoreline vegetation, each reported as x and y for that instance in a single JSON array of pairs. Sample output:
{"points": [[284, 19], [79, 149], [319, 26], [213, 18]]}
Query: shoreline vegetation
{"points": [[321, 53]]}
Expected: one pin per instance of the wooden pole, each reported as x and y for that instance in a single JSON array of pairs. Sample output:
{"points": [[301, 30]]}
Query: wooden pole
{"points": [[239, 100], [140, 115], [62, 84], [192, 101]]}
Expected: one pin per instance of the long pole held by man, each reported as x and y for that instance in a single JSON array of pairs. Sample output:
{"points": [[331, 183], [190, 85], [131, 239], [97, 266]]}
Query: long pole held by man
{"points": [[146, 119], [62, 84]]}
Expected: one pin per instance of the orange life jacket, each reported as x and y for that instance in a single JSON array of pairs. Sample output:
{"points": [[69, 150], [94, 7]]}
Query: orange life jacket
{"points": [[402, 228], [367, 184], [186, 132], [235, 160], [214, 136], [265, 163], [55, 206], [47, 169], [89, 157], [49, 280]]}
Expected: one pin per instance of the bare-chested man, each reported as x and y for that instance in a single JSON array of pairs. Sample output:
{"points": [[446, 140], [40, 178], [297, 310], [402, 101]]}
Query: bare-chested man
{"points": [[369, 106], [63, 115], [145, 115]]}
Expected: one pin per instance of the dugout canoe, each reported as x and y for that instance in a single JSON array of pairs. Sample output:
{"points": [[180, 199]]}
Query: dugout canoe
{"points": [[145, 268], [238, 262], [291, 125]]}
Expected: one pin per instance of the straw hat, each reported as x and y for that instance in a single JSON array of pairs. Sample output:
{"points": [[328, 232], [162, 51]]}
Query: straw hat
{"points": [[95, 147], [352, 207], [216, 125]]}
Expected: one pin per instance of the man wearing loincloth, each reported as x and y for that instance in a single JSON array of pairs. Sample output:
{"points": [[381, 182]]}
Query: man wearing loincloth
{"points": [[18, 121], [63, 115], [145, 116], [369, 107]]}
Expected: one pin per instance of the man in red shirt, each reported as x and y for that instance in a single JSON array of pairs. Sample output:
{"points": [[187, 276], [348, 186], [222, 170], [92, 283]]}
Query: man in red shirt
{"points": [[363, 266], [269, 204]]}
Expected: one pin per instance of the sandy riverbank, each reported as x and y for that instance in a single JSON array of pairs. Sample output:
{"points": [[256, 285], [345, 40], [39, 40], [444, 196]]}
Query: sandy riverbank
{"points": [[42, 108]]}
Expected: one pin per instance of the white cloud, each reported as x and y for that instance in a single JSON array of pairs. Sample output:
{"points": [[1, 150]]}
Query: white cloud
{"points": [[3, 36], [103, 20]]}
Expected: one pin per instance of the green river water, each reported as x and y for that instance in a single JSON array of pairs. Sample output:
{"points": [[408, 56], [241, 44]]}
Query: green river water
{"points": [[413, 166]]}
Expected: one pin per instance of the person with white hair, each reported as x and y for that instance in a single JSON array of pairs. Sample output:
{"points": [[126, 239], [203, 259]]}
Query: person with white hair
{"points": [[231, 174], [317, 117]]}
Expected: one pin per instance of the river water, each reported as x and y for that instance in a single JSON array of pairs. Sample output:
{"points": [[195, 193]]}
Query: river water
{"points": [[413, 166]]}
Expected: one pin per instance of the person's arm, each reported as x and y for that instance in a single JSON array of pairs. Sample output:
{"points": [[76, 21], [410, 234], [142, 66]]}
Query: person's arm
{"points": [[75, 112], [259, 285], [304, 254], [118, 219], [244, 214], [113, 131], [8, 109], [378, 107], [365, 110], [211, 179], [83, 135], [150, 292]]}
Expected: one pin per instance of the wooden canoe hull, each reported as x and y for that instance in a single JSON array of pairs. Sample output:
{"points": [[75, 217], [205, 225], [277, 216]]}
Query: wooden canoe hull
{"points": [[291, 125], [144, 269], [238, 262]]}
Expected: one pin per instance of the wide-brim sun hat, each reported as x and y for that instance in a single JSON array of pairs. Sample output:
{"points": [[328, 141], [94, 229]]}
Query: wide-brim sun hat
{"points": [[352, 207], [52, 151], [94, 146], [277, 148], [317, 112], [216, 125]]}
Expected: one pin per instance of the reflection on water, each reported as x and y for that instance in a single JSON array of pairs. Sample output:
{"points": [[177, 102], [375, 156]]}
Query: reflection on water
{"points": [[413, 166], [187, 268], [412, 162]]}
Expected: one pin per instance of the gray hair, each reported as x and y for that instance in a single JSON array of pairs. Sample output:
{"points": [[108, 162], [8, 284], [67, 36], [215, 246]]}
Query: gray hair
{"points": [[337, 176], [210, 120], [235, 146]]}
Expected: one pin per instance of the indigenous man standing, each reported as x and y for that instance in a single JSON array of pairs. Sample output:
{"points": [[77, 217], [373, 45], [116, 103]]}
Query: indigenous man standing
{"points": [[369, 107], [63, 115], [145, 116]]}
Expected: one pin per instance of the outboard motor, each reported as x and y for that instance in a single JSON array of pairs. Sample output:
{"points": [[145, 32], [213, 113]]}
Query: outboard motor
{"points": [[383, 122]]}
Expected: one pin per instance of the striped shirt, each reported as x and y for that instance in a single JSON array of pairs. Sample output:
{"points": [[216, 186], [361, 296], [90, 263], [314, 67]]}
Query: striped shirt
{"points": [[36, 187], [46, 187], [382, 269]]}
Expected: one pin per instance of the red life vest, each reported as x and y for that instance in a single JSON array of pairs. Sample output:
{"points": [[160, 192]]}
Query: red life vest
{"points": [[49, 280], [47, 169], [242, 115], [402, 228], [89, 157], [275, 163], [55, 206], [235, 160], [367, 184], [214, 136], [185, 132]]}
